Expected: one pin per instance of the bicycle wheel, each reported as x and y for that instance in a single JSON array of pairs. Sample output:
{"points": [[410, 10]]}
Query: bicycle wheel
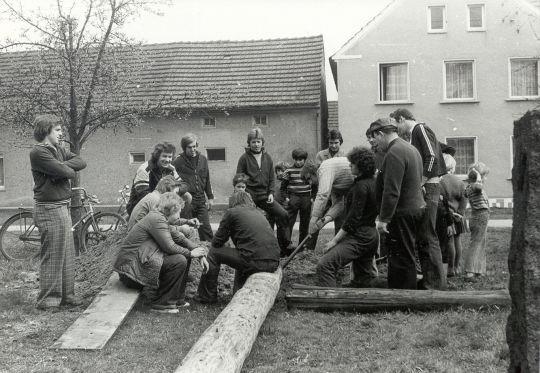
{"points": [[97, 228], [19, 237]]}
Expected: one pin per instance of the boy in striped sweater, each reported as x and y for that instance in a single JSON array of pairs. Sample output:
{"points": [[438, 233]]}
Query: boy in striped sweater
{"points": [[475, 256], [297, 192]]}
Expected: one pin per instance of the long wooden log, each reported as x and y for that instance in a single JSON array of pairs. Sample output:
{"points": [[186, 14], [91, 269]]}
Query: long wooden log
{"points": [[376, 300], [225, 345]]}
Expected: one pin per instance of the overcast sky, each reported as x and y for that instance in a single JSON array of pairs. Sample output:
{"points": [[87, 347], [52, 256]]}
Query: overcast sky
{"points": [[201, 20]]}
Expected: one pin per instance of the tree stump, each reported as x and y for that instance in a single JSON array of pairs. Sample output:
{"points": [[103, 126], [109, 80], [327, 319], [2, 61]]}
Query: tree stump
{"points": [[224, 346], [523, 326]]}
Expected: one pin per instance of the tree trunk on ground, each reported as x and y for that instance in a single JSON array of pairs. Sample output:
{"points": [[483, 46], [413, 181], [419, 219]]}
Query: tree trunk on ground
{"points": [[523, 326], [224, 346], [376, 300]]}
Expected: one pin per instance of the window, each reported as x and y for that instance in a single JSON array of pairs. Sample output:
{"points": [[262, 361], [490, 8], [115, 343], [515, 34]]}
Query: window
{"points": [[459, 77], [2, 185], [260, 120], [523, 77], [215, 154], [137, 157], [476, 17], [465, 152], [209, 122], [394, 82], [436, 19]]}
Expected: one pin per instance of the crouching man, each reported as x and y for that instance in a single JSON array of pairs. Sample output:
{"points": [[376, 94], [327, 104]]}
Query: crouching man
{"points": [[357, 240], [256, 248]]}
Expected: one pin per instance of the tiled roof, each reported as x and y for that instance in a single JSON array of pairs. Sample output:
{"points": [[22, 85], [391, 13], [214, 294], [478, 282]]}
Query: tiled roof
{"points": [[333, 118], [222, 74], [250, 73]]}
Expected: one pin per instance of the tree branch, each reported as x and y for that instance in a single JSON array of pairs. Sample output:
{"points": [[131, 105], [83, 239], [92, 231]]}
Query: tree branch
{"points": [[27, 20], [93, 81]]}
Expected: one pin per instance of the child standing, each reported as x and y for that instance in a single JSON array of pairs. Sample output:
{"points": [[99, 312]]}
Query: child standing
{"points": [[297, 192], [475, 258], [239, 183], [280, 169]]}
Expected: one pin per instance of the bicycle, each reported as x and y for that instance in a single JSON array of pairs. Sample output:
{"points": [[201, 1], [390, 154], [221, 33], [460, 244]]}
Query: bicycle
{"points": [[125, 193], [20, 239]]}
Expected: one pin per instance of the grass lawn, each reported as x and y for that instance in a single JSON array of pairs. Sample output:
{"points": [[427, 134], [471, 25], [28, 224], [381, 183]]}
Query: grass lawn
{"points": [[289, 341]]}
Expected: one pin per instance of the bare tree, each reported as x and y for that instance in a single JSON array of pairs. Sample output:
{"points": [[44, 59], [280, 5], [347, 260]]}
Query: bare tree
{"points": [[74, 63]]}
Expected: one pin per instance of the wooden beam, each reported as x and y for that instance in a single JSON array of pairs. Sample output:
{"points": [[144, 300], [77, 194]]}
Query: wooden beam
{"points": [[375, 300], [98, 323], [225, 345]]}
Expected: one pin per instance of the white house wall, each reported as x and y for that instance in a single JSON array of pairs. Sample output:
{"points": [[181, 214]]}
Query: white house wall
{"points": [[401, 36]]}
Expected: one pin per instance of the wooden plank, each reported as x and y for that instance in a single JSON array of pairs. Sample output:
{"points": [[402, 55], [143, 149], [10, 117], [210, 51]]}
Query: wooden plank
{"points": [[224, 346], [375, 300], [98, 323]]}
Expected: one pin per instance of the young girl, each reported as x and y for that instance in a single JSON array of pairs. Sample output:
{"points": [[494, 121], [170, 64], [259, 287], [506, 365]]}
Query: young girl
{"points": [[475, 257]]}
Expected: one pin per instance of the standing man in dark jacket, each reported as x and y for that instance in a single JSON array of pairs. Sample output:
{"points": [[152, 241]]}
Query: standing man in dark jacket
{"points": [[398, 190], [192, 167], [258, 166], [52, 169], [424, 139]]}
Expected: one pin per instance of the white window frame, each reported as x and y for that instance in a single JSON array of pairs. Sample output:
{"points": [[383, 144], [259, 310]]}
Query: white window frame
{"points": [[436, 31], [475, 147], [214, 148], [260, 116], [464, 99], [475, 29], [510, 78], [210, 119], [3, 170], [132, 159], [379, 87]]}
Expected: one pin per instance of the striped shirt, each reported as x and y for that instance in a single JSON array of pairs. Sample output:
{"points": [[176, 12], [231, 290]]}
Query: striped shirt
{"points": [[293, 183], [477, 196]]}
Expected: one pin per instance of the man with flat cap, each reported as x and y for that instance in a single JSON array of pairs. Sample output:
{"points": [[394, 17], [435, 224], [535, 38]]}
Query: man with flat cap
{"points": [[399, 194]]}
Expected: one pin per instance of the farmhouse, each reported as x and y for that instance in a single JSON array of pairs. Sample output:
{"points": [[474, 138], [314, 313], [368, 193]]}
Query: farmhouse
{"points": [[466, 68], [221, 90]]}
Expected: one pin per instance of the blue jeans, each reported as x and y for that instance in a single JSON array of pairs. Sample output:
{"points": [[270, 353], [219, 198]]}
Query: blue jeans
{"points": [[429, 250]]}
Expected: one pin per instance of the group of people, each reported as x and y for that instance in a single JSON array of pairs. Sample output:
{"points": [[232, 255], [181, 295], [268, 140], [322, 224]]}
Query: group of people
{"points": [[401, 188], [421, 205]]}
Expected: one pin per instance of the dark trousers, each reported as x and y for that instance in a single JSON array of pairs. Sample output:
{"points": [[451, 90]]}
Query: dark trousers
{"points": [[400, 243], [359, 250], [275, 212], [232, 257], [429, 250], [299, 203], [200, 211], [172, 281]]}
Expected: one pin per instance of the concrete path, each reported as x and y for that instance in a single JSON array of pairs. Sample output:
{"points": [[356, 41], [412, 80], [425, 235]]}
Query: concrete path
{"points": [[494, 223]]}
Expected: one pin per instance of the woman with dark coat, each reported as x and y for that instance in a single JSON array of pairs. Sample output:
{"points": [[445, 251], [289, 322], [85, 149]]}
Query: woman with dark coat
{"points": [[152, 256]]}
